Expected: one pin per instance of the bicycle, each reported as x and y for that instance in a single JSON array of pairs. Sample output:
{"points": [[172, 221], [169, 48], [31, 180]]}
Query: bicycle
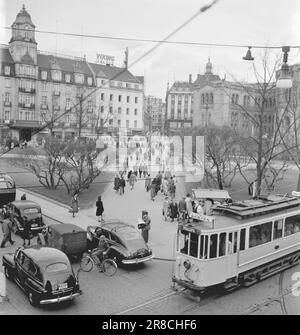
{"points": [[108, 266]]}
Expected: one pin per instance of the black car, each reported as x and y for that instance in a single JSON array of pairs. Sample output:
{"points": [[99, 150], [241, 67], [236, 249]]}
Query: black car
{"points": [[127, 245], [21, 209], [44, 274]]}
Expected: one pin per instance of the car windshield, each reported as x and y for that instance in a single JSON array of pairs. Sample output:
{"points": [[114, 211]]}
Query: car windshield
{"points": [[56, 267], [130, 235], [31, 210]]}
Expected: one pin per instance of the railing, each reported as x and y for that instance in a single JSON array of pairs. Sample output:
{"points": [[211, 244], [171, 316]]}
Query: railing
{"points": [[26, 105], [7, 103], [26, 89], [44, 106]]}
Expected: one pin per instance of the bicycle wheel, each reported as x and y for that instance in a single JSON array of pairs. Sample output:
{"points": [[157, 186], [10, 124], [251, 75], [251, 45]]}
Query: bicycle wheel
{"points": [[109, 267], [86, 264]]}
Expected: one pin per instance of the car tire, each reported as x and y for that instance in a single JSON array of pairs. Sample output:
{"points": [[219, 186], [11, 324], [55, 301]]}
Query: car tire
{"points": [[32, 299], [7, 273]]}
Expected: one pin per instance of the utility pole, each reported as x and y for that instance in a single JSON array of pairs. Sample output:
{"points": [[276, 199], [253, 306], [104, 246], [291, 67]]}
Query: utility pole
{"points": [[149, 112], [205, 143]]}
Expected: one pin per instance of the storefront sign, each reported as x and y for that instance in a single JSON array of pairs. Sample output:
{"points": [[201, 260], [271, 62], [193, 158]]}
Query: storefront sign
{"points": [[105, 59]]}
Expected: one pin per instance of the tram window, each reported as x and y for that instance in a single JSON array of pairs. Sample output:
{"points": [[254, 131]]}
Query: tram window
{"points": [[194, 245], [235, 242], [185, 243], [222, 244], [277, 231], [213, 246], [260, 234], [203, 246], [242, 239], [292, 225]]}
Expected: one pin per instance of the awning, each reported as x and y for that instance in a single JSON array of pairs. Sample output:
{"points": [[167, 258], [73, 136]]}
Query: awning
{"points": [[28, 124]]}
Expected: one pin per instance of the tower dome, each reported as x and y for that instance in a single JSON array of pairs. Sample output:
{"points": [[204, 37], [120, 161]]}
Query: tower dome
{"points": [[208, 68], [23, 17]]}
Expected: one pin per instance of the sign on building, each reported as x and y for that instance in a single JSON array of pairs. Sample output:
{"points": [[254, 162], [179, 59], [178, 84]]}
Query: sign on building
{"points": [[105, 59]]}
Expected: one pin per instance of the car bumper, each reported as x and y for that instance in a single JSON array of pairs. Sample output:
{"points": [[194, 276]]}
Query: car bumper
{"points": [[137, 260], [60, 299]]}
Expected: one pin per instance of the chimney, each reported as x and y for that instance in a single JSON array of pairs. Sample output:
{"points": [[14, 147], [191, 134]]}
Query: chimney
{"points": [[190, 78]]}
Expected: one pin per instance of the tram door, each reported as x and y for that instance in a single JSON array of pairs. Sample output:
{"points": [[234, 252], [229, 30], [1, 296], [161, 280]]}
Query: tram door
{"points": [[232, 253]]}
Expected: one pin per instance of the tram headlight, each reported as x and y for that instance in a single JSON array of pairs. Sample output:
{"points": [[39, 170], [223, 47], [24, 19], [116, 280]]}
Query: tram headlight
{"points": [[187, 264]]}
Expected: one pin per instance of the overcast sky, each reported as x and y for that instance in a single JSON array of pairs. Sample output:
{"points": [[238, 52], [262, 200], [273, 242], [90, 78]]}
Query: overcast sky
{"points": [[246, 22]]}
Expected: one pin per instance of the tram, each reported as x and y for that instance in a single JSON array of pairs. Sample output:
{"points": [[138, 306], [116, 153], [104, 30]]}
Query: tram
{"points": [[7, 189], [239, 244]]}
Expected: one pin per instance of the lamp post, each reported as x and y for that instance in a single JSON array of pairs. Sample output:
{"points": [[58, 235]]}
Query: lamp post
{"points": [[284, 80]]}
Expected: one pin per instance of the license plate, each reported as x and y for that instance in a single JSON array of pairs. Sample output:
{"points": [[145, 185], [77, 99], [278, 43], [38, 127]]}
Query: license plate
{"points": [[63, 286]]}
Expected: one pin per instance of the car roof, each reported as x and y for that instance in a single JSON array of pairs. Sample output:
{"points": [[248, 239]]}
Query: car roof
{"points": [[45, 255], [66, 228], [115, 226], [25, 204]]}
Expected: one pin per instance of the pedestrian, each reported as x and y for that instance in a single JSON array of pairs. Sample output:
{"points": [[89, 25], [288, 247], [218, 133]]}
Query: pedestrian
{"points": [[129, 174], [172, 189], [166, 208], [74, 204], [6, 230], [173, 210], [165, 186], [117, 183], [132, 180], [100, 209], [189, 206], [148, 182], [122, 185], [145, 230], [182, 209], [153, 189], [23, 197], [26, 231], [140, 172]]}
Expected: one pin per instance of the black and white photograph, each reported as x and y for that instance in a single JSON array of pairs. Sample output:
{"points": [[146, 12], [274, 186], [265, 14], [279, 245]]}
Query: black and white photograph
{"points": [[149, 161]]}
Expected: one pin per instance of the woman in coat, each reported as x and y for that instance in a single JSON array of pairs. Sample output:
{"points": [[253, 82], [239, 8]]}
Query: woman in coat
{"points": [[173, 210], [100, 209], [189, 206], [74, 204], [153, 189]]}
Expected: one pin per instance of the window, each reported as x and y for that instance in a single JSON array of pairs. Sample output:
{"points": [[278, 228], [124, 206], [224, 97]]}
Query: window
{"points": [[127, 111], [135, 124], [128, 85], [243, 239], [110, 109], [260, 234], [102, 109], [127, 123], [136, 87], [27, 117], [79, 78], [56, 267], [278, 229], [68, 78], [203, 246], [7, 83], [89, 81], [44, 75], [213, 246], [120, 84], [292, 225], [56, 75], [211, 98], [111, 97], [89, 104], [110, 122], [136, 100], [120, 98], [222, 244], [193, 245], [68, 103], [7, 97], [119, 110], [128, 99], [44, 87], [102, 96], [135, 111], [7, 70], [7, 115], [44, 100], [119, 123]]}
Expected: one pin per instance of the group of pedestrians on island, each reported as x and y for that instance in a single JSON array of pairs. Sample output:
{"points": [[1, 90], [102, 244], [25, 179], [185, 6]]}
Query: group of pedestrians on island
{"points": [[164, 182]]}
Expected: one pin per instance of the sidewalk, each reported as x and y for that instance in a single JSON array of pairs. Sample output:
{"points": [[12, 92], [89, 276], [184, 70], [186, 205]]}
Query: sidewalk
{"points": [[127, 208]]}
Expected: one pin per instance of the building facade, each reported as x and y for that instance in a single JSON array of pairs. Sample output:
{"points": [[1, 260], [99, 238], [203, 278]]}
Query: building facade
{"points": [[45, 93], [154, 114]]}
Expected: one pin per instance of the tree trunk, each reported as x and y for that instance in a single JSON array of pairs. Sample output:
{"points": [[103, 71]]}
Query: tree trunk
{"points": [[298, 183]]}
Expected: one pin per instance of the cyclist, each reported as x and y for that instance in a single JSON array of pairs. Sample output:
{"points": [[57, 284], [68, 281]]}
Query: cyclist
{"points": [[103, 246]]}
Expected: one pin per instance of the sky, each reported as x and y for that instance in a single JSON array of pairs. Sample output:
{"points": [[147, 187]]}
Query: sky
{"points": [[242, 22]]}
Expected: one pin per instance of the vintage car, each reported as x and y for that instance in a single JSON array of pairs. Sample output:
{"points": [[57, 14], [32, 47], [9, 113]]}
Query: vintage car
{"points": [[126, 243], [21, 209], [44, 274], [67, 237]]}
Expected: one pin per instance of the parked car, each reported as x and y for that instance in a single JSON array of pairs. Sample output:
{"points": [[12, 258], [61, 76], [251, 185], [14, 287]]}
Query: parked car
{"points": [[67, 237], [126, 243], [44, 274], [21, 209]]}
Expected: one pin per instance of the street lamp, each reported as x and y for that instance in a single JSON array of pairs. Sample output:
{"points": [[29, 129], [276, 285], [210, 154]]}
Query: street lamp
{"points": [[284, 80]]}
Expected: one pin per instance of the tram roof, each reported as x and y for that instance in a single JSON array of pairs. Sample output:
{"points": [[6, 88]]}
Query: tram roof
{"points": [[250, 211]]}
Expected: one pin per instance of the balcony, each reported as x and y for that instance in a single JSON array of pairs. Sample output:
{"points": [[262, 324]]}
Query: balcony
{"points": [[68, 108], [27, 90], [90, 110], [7, 121], [56, 93], [7, 103], [44, 106], [56, 108], [26, 105]]}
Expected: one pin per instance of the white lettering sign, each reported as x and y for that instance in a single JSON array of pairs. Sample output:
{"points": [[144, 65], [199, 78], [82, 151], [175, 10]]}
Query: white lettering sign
{"points": [[201, 217], [105, 59]]}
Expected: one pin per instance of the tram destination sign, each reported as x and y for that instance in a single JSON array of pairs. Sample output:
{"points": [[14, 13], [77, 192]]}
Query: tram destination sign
{"points": [[202, 217], [105, 59]]}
